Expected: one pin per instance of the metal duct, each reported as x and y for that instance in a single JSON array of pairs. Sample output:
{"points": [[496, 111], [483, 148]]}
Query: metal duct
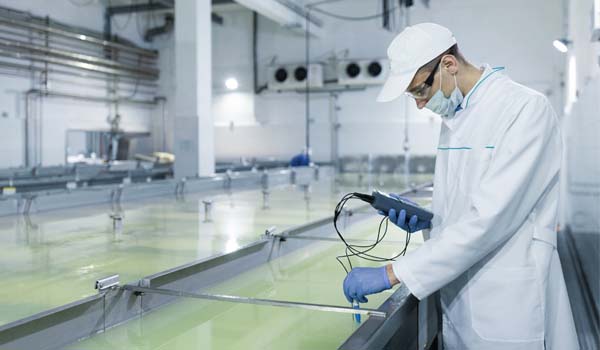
{"points": [[164, 29]]}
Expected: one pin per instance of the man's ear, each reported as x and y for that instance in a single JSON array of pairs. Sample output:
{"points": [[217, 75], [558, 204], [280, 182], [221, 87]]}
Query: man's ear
{"points": [[450, 63]]}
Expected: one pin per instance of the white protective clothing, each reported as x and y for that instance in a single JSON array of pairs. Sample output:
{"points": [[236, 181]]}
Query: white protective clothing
{"points": [[492, 249]]}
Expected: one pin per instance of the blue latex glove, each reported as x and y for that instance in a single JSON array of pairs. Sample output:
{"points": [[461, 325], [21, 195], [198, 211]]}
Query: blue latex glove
{"points": [[363, 281], [399, 219]]}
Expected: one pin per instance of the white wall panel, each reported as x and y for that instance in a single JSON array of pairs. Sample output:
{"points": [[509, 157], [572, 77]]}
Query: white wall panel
{"points": [[514, 34]]}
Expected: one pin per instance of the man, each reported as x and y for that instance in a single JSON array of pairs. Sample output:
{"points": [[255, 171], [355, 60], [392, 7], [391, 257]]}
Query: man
{"points": [[492, 245]]}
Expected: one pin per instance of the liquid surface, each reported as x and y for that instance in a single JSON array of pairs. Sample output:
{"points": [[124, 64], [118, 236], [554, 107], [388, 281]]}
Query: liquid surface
{"points": [[310, 274], [51, 259]]}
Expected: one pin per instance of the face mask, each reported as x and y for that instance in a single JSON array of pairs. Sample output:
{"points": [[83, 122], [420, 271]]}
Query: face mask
{"points": [[442, 105]]}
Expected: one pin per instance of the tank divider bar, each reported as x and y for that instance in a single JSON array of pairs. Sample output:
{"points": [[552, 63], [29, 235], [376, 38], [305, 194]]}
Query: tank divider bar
{"points": [[255, 301]]}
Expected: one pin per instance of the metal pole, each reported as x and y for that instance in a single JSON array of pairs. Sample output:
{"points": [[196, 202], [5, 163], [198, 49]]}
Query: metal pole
{"points": [[266, 194], [257, 301], [335, 127], [207, 210], [307, 92]]}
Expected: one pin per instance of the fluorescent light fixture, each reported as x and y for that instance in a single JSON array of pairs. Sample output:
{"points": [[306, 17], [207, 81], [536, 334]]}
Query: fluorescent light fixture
{"points": [[285, 15], [231, 84], [561, 45], [571, 84]]}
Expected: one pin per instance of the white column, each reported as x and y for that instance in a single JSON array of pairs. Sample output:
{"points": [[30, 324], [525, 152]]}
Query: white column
{"points": [[194, 131]]}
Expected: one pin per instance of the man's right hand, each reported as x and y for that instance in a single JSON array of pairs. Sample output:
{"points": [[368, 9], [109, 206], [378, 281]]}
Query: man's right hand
{"points": [[399, 219]]}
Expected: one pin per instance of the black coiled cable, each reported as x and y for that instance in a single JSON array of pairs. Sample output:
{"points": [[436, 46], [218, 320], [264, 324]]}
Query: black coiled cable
{"points": [[362, 251]]}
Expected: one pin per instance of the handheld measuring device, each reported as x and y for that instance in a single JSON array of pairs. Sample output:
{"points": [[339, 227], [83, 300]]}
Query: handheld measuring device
{"points": [[384, 202]]}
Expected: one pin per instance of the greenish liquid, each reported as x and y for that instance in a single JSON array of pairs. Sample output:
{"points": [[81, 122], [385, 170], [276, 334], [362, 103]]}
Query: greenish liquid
{"points": [[54, 258], [308, 275]]}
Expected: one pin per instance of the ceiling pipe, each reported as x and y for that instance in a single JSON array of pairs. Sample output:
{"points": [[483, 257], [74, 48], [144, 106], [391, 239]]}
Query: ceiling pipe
{"points": [[164, 29], [150, 6]]}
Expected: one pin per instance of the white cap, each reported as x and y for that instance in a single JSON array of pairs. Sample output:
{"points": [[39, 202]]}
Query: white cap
{"points": [[410, 50]]}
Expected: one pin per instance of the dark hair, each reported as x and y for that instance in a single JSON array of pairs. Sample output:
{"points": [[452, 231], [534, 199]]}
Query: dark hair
{"points": [[453, 50]]}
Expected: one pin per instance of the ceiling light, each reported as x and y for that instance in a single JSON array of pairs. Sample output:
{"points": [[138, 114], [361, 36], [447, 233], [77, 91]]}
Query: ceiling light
{"points": [[231, 84], [561, 45]]}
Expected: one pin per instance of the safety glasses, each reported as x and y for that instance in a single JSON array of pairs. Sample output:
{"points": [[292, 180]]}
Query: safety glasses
{"points": [[422, 91]]}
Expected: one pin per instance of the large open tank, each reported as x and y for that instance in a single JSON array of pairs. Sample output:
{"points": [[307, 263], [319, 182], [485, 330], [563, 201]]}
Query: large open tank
{"points": [[311, 274], [52, 260]]}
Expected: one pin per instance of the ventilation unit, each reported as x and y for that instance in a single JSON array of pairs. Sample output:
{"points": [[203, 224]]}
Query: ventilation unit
{"points": [[295, 76], [362, 72]]}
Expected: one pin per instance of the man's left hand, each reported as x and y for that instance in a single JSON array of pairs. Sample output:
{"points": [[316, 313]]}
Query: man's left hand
{"points": [[362, 281]]}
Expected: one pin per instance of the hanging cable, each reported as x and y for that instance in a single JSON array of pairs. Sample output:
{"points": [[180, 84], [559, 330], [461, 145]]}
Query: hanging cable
{"points": [[362, 251], [121, 27]]}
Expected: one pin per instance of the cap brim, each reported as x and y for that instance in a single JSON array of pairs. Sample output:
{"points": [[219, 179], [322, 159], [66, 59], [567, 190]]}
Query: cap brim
{"points": [[395, 86]]}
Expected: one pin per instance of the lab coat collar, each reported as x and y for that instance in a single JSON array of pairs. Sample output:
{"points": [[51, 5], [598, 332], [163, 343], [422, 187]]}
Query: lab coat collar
{"points": [[489, 74], [481, 85]]}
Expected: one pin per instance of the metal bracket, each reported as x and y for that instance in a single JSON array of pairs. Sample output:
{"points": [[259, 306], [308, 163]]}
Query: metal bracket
{"points": [[115, 195], [180, 187], [270, 232], [227, 184], [306, 191], [28, 203], [266, 195], [316, 172], [207, 210], [117, 220], [264, 180], [107, 283]]}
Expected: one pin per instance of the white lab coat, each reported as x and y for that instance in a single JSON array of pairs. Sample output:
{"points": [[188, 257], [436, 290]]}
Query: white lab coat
{"points": [[492, 250]]}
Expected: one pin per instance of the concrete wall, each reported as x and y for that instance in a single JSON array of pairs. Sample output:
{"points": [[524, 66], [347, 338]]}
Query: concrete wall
{"points": [[512, 33]]}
